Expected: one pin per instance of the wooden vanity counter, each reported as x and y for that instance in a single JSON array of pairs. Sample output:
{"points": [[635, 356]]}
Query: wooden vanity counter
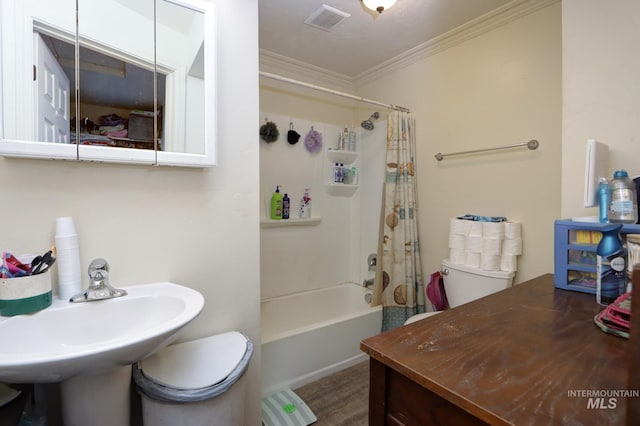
{"points": [[528, 355]]}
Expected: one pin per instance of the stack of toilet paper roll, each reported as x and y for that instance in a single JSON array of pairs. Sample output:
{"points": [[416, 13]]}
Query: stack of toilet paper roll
{"points": [[490, 246]]}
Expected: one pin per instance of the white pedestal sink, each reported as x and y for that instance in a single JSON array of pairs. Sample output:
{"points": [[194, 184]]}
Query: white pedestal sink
{"points": [[89, 347]]}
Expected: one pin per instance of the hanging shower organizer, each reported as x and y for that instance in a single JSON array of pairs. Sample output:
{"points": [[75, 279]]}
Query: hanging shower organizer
{"points": [[348, 158]]}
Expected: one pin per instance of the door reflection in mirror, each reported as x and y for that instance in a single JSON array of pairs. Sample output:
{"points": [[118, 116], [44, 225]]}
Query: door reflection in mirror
{"points": [[139, 67], [115, 69], [116, 97]]}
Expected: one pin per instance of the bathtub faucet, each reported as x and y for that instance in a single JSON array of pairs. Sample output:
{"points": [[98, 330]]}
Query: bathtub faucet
{"points": [[368, 283]]}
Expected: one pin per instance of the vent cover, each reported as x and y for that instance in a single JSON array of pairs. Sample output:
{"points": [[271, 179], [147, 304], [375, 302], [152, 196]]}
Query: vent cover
{"points": [[326, 18]]}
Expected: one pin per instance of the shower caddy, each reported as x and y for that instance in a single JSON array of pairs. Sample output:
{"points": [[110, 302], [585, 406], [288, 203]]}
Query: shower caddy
{"points": [[348, 158]]}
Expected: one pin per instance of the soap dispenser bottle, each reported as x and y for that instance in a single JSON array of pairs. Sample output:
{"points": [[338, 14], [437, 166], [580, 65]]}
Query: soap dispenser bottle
{"points": [[286, 204], [276, 204], [305, 205]]}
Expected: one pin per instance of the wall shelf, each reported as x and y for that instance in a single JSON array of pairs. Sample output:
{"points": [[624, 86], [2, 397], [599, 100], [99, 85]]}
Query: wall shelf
{"points": [[347, 158], [341, 189], [339, 156], [270, 223]]}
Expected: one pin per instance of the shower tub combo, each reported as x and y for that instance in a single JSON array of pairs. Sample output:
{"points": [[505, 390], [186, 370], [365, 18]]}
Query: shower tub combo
{"points": [[308, 335]]}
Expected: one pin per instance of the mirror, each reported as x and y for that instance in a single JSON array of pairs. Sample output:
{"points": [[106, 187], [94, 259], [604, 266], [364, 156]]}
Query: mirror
{"points": [[133, 82]]}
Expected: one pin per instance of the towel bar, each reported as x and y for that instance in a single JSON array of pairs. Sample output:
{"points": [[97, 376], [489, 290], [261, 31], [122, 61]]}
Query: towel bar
{"points": [[532, 144]]}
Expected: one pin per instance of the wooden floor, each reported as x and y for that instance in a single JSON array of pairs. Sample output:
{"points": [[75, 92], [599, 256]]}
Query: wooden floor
{"points": [[341, 399]]}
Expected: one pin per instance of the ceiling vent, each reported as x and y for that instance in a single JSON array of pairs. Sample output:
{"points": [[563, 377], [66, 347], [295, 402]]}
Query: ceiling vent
{"points": [[326, 18]]}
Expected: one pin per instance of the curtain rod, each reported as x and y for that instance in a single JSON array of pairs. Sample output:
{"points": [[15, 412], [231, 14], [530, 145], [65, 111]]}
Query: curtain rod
{"points": [[334, 92]]}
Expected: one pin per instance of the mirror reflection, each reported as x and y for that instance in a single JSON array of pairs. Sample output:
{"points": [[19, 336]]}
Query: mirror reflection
{"points": [[138, 67], [180, 57], [116, 102]]}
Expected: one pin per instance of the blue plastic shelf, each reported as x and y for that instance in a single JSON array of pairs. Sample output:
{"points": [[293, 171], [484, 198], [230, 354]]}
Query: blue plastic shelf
{"points": [[575, 245]]}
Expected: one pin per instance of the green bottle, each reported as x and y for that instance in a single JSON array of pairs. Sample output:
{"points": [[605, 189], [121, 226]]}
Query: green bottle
{"points": [[276, 204]]}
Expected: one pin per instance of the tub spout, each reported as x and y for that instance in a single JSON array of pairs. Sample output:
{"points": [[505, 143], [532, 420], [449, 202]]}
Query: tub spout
{"points": [[368, 283]]}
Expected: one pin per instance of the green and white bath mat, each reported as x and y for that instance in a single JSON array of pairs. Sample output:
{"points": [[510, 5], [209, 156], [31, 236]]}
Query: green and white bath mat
{"points": [[285, 408]]}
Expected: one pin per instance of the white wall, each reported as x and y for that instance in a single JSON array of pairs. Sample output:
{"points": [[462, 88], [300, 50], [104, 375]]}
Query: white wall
{"points": [[196, 227], [499, 88], [601, 88], [301, 258]]}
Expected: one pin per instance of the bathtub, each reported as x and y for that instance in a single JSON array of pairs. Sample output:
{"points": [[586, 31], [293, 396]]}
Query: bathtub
{"points": [[308, 335]]}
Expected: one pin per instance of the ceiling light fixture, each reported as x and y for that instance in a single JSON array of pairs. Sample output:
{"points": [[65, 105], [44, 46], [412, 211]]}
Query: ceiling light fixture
{"points": [[378, 5]]}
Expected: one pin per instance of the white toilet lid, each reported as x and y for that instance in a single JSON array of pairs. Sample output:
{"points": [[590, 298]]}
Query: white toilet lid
{"points": [[418, 317], [197, 364]]}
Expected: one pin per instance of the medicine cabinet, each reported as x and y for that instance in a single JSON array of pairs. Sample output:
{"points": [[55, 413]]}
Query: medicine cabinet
{"points": [[109, 81]]}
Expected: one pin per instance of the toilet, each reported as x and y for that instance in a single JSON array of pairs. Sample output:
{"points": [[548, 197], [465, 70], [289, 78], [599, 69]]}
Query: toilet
{"points": [[463, 284]]}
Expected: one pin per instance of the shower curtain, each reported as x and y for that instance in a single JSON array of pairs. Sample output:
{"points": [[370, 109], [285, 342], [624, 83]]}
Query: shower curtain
{"points": [[398, 284]]}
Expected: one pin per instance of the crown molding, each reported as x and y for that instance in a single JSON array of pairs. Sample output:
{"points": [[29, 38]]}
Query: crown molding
{"points": [[287, 67], [501, 16], [278, 64]]}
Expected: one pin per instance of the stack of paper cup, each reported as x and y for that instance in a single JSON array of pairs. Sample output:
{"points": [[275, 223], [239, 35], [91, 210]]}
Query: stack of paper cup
{"points": [[68, 258]]}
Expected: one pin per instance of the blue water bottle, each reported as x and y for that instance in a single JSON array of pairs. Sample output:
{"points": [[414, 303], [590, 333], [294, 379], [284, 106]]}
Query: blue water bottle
{"points": [[604, 198]]}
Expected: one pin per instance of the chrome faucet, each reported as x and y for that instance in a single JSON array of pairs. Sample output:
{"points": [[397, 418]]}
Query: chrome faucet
{"points": [[368, 283], [99, 287]]}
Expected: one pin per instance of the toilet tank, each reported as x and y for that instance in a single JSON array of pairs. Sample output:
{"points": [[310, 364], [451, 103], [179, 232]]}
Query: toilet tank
{"points": [[464, 284]]}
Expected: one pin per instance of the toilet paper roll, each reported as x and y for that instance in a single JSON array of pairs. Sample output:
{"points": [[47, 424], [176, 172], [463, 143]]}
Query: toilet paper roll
{"points": [[457, 241], [512, 230], [472, 260], [475, 230], [457, 256], [491, 246], [474, 244], [493, 230], [459, 227], [509, 263], [489, 262], [513, 247]]}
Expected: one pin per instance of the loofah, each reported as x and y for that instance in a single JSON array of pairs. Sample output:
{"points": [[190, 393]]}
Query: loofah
{"points": [[269, 132], [313, 141], [292, 135]]}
